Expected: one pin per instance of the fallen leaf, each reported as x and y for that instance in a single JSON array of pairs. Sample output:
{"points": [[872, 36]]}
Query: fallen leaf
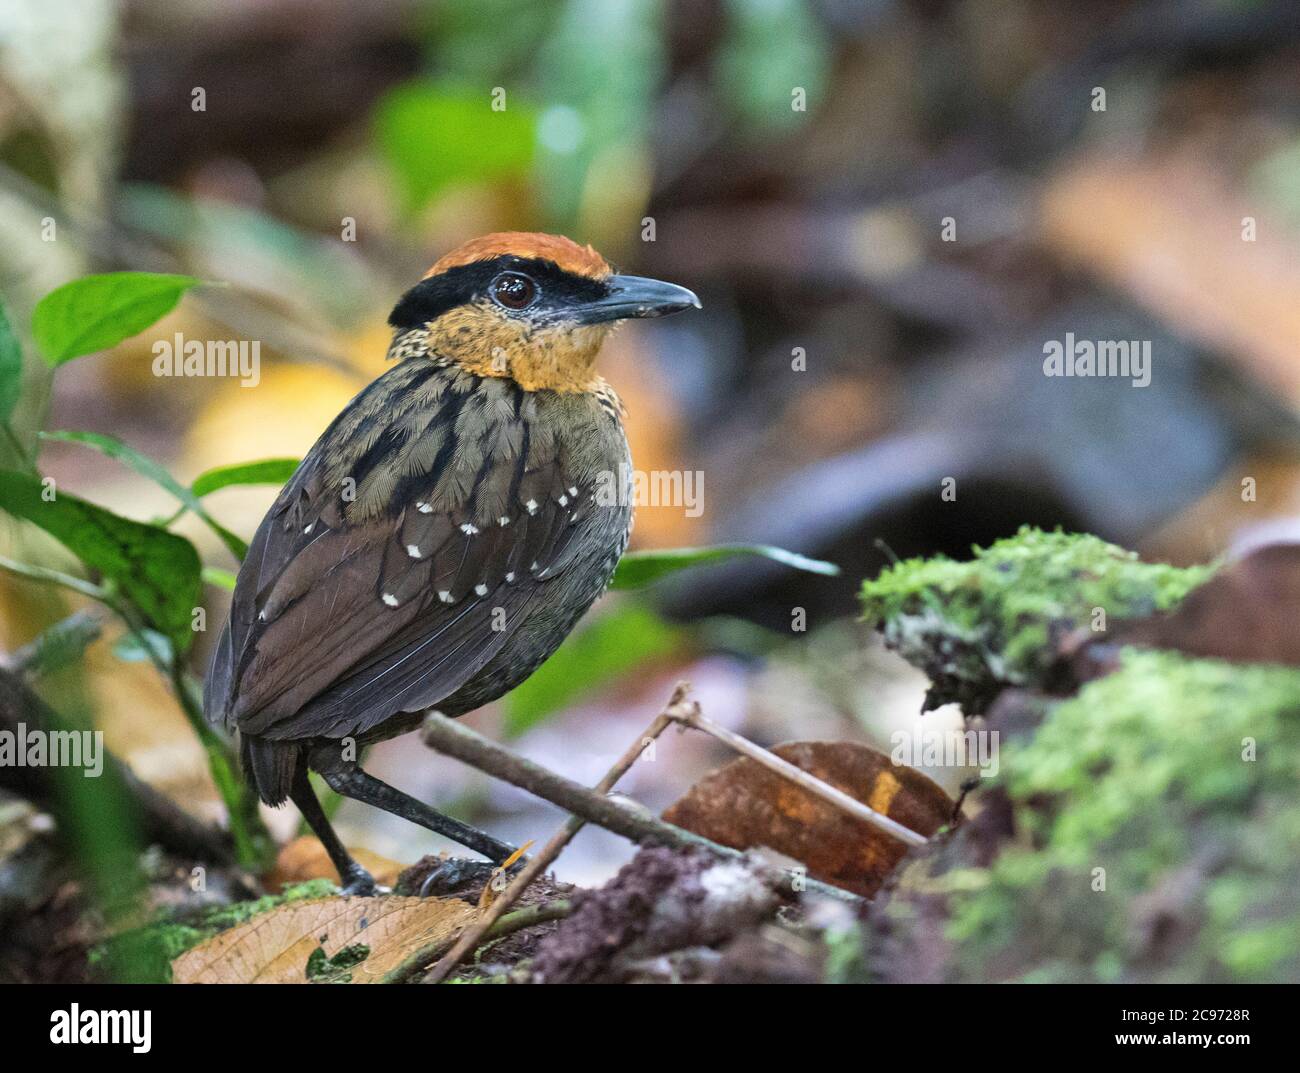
{"points": [[1247, 613], [1167, 230], [275, 947], [745, 805], [305, 858]]}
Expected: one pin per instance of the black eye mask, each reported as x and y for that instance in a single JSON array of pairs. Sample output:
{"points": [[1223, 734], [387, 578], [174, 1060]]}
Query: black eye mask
{"points": [[432, 297]]}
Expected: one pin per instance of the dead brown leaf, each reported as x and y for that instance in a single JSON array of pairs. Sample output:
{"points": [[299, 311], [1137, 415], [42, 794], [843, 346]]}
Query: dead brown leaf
{"points": [[1247, 612], [274, 946], [305, 858], [745, 805], [1167, 230]]}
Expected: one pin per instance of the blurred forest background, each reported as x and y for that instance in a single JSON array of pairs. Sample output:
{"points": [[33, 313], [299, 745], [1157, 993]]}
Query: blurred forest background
{"points": [[879, 270]]}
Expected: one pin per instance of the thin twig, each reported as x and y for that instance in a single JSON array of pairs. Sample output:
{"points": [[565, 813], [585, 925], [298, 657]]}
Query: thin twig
{"points": [[467, 943], [631, 822], [161, 820], [58, 644], [50, 576], [529, 917], [828, 793]]}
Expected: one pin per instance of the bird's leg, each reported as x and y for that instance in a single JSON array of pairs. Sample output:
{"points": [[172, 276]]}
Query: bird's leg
{"points": [[354, 878], [350, 781]]}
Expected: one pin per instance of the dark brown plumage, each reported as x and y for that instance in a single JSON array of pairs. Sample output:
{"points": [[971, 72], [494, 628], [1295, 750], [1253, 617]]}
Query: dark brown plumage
{"points": [[445, 533]]}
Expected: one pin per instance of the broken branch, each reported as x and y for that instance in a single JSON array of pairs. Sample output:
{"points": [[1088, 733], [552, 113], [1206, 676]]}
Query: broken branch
{"points": [[555, 846], [633, 823], [161, 820]]}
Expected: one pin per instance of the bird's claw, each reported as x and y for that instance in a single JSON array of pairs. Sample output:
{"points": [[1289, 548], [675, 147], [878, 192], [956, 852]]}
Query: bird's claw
{"points": [[359, 883], [455, 873]]}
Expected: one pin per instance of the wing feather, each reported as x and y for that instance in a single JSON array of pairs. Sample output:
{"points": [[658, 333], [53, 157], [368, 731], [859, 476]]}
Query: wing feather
{"points": [[345, 614]]}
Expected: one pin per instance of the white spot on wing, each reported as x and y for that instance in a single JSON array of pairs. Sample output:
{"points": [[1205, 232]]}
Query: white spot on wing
{"points": [[445, 596], [532, 506], [481, 589], [390, 599], [423, 508], [469, 529], [413, 551]]}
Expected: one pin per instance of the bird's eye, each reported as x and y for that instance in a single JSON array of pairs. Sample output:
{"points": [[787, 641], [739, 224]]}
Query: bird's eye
{"points": [[514, 290]]}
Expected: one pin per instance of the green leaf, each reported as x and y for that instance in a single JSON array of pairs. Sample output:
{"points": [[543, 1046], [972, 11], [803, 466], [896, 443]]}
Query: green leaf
{"points": [[266, 471], [97, 312], [772, 49], [337, 969], [638, 568], [11, 367], [147, 467], [433, 137], [223, 579], [156, 571], [622, 638], [596, 131]]}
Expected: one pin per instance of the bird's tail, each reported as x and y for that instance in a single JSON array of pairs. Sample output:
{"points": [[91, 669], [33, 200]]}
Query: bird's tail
{"points": [[270, 766]]}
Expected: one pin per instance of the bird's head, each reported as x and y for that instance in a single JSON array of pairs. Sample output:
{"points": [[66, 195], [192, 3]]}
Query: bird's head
{"points": [[533, 308]]}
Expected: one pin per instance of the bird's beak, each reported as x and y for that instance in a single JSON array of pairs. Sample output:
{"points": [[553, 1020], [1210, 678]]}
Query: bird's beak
{"points": [[636, 296]]}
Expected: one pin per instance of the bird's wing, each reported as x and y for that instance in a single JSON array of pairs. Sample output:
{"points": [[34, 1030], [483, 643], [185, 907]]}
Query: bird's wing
{"points": [[337, 623]]}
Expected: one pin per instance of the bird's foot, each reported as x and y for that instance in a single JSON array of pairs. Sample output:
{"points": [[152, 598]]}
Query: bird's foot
{"points": [[455, 875], [357, 882]]}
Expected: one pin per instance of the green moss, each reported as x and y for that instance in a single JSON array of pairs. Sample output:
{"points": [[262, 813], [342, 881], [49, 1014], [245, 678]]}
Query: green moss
{"points": [[227, 916], [975, 627], [337, 969], [1155, 814], [144, 954], [1144, 774]]}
